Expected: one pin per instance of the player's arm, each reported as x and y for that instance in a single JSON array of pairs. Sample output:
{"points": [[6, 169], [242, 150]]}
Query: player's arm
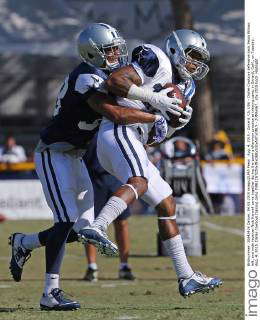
{"points": [[121, 80], [127, 82], [109, 108], [89, 87]]}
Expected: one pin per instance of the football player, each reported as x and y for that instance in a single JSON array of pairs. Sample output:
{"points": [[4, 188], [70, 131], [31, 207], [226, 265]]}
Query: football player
{"points": [[65, 180], [121, 151]]}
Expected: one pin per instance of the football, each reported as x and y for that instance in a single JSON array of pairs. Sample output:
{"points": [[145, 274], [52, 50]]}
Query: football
{"points": [[177, 93], [174, 120]]}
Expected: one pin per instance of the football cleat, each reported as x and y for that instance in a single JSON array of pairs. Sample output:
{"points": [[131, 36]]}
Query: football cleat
{"points": [[19, 255], [198, 282], [126, 274], [56, 301], [99, 239], [91, 275]]}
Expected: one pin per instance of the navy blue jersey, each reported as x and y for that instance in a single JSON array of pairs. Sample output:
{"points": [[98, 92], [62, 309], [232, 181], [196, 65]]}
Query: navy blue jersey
{"points": [[74, 122]]}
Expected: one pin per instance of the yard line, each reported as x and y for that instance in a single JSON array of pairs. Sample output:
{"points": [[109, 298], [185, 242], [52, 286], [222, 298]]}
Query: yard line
{"points": [[108, 285], [124, 317], [4, 286], [214, 226]]}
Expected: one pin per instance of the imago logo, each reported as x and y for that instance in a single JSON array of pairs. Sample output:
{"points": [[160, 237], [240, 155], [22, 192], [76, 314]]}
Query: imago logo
{"points": [[253, 286]]}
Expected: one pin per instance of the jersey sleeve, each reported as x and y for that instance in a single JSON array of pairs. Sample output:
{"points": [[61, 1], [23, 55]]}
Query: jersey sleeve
{"points": [[145, 62], [87, 84], [189, 90]]}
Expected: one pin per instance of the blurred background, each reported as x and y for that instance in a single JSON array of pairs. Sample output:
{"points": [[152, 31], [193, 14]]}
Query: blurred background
{"points": [[37, 50]]}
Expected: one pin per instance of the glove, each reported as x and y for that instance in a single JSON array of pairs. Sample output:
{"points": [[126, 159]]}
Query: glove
{"points": [[185, 118], [163, 103], [158, 100], [164, 111], [160, 128]]}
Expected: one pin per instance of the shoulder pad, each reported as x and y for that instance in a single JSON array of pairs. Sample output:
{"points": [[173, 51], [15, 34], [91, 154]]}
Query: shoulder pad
{"points": [[147, 60], [87, 81]]}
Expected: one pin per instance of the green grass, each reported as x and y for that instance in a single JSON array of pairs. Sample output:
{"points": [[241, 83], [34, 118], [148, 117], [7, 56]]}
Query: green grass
{"points": [[154, 295]]}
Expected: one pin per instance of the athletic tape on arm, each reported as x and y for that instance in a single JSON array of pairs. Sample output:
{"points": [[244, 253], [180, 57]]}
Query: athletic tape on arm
{"points": [[167, 218], [133, 188]]}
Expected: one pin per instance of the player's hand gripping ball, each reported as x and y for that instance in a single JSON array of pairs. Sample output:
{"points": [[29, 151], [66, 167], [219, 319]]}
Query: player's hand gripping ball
{"points": [[177, 93], [174, 120]]}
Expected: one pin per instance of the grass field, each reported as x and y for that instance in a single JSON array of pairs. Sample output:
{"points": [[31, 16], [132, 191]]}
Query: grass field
{"points": [[154, 295]]}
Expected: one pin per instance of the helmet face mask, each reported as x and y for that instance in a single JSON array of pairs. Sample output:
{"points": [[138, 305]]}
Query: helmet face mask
{"points": [[102, 46], [188, 53], [115, 54], [192, 67]]}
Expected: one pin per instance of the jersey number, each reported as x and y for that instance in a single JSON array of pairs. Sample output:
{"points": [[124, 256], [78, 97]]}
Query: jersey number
{"points": [[88, 126], [82, 124], [61, 95]]}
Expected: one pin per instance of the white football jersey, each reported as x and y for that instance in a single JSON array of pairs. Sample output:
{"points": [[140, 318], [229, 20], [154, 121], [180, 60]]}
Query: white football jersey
{"points": [[152, 65], [155, 70]]}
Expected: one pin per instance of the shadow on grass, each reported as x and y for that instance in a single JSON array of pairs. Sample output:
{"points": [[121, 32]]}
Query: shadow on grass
{"points": [[139, 255], [117, 279], [10, 310], [120, 280], [125, 308], [131, 308]]}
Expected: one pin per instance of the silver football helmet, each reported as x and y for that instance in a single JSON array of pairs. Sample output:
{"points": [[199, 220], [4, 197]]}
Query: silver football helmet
{"points": [[102, 45], [188, 52]]}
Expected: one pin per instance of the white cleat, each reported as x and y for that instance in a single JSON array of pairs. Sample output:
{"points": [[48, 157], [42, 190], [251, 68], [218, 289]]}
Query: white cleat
{"points": [[198, 282], [99, 239], [56, 301]]}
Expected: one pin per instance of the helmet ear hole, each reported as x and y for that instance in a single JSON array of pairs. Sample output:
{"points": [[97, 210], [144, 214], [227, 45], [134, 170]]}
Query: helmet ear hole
{"points": [[172, 50], [90, 56]]}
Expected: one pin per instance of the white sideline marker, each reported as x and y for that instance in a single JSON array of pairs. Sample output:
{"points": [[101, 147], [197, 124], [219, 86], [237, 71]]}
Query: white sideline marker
{"points": [[214, 226]]}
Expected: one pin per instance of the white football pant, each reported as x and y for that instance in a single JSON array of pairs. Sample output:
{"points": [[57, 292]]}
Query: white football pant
{"points": [[67, 187], [121, 153]]}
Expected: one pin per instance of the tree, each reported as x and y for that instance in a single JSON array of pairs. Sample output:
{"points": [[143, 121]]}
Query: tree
{"points": [[202, 127]]}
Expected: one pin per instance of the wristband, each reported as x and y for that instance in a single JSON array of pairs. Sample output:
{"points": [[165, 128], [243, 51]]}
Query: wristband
{"points": [[138, 93]]}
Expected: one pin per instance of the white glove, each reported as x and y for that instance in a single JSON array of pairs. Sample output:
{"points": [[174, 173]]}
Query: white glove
{"points": [[158, 100], [171, 110], [160, 128], [163, 103], [185, 118]]}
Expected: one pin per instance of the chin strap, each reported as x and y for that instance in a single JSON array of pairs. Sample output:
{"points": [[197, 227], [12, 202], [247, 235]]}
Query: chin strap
{"points": [[167, 218]]}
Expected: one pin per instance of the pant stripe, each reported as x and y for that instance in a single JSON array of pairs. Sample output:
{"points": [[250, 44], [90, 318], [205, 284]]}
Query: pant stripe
{"points": [[49, 187], [57, 187], [133, 150], [123, 150]]}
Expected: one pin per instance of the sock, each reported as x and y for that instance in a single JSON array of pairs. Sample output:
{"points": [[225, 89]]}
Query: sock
{"points": [[31, 241], [123, 265], [175, 249], [72, 237], [55, 246], [51, 282], [43, 236], [113, 208], [93, 266]]}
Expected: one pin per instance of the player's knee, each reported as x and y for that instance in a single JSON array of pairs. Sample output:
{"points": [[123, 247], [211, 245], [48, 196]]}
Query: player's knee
{"points": [[167, 207], [140, 184]]}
